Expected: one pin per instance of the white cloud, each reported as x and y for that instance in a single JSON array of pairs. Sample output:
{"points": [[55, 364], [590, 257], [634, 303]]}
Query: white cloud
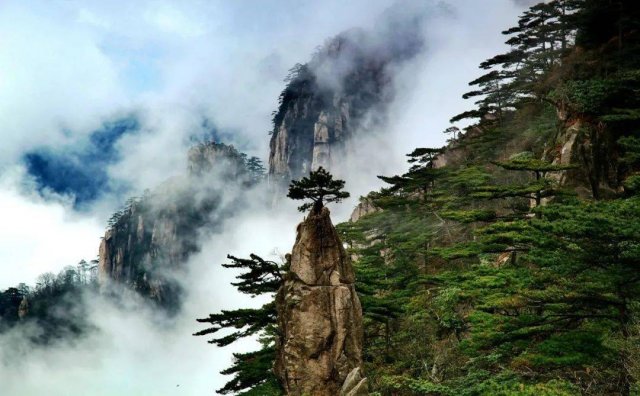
{"points": [[66, 67], [39, 235], [139, 352], [71, 65], [55, 82], [430, 89], [172, 20]]}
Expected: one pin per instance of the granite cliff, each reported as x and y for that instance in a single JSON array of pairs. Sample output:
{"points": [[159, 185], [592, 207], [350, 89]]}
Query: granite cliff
{"points": [[319, 316], [344, 90], [149, 241]]}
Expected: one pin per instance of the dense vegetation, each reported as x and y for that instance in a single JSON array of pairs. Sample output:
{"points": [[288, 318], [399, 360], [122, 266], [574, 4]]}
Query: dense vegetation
{"points": [[507, 262], [512, 266], [503, 264], [52, 308]]}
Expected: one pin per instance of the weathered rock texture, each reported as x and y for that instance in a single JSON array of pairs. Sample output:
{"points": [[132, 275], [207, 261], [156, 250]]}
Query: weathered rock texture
{"points": [[151, 239], [345, 88], [23, 309], [364, 207], [581, 142], [319, 316]]}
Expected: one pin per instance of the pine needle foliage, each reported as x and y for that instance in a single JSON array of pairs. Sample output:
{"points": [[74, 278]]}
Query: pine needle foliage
{"points": [[252, 371], [319, 187]]}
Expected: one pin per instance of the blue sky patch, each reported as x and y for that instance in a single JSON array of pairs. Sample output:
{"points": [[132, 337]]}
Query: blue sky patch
{"points": [[81, 171]]}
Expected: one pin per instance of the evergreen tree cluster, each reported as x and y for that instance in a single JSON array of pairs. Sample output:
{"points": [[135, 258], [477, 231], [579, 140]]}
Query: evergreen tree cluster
{"points": [[511, 270], [54, 306]]}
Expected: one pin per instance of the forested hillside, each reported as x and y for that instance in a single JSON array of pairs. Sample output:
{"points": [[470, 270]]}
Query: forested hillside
{"points": [[504, 263], [145, 249], [50, 310], [507, 262]]}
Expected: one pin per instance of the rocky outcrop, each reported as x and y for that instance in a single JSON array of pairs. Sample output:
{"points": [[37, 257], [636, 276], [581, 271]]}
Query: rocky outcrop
{"points": [[319, 316], [583, 143], [142, 248], [23, 308], [206, 157], [316, 117], [149, 241], [345, 88], [364, 207]]}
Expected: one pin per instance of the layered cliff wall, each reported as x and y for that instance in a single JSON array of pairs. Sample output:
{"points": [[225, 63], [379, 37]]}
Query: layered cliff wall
{"points": [[151, 239], [317, 116], [319, 316], [344, 90]]}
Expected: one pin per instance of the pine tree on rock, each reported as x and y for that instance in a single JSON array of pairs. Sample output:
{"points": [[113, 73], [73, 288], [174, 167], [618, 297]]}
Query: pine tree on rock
{"points": [[252, 373], [319, 187], [319, 344]]}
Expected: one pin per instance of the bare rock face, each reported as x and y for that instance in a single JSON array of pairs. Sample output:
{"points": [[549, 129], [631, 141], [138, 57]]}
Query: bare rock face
{"points": [[318, 112], [364, 207], [597, 174], [142, 247], [319, 316], [343, 91], [151, 239], [23, 309]]}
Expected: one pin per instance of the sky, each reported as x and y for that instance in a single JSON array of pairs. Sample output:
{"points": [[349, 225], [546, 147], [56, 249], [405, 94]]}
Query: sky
{"points": [[100, 100]]}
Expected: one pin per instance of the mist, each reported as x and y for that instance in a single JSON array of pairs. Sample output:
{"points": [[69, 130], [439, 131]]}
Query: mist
{"points": [[137, 350], [186, 71]]}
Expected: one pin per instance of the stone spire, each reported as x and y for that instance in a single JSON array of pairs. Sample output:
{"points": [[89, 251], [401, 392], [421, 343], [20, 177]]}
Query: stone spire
{"points": [[319, 316], [23, 309]]}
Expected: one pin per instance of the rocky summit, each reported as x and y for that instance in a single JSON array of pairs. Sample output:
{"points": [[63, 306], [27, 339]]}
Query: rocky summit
{"points": [[319, 316]]}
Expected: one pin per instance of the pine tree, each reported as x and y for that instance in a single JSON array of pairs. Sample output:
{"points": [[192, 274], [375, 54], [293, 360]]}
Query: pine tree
{"points": [[421, 175], [538, 43], [252, 371], [319, 188], [541, 187], [256, 169], [391, 247], [454, 131]]}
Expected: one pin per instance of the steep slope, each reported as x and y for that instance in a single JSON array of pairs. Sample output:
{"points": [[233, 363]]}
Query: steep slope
{"points": [[507, 264], [319, 315], [150, 240], [344, 90]]}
